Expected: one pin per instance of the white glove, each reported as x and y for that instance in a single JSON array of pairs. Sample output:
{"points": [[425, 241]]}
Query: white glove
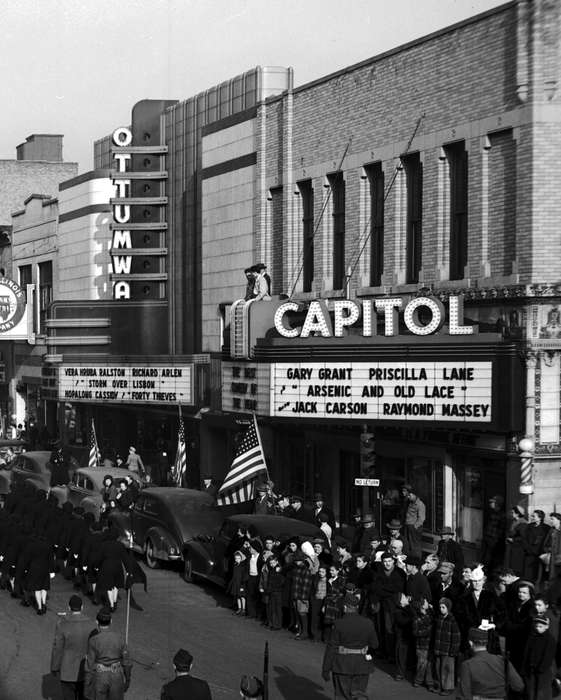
{"points": [[52, 574]]}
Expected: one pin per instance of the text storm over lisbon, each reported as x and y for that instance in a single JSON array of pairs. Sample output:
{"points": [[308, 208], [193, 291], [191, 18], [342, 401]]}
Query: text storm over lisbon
{"points": [[413, 391]]}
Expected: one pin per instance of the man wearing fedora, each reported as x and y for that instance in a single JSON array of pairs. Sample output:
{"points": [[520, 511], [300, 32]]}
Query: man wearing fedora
{"points": [[483, 675], [396, 533], [262, 505], [449, 550], [361, 540], [319, 508], [185, 685], [348, 654], [301, 511]]}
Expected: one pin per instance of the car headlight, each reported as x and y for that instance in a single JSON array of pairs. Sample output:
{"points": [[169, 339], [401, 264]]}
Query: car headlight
{"points": [[172, 550]]}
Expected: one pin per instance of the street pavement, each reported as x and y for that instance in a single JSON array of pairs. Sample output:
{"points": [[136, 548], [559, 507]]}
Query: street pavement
{"points": [[176, 614]]}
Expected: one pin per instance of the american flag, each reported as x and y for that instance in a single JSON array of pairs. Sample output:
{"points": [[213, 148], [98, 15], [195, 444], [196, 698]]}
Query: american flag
{"points": [[180, 466], [95, 455], [248, 464]]}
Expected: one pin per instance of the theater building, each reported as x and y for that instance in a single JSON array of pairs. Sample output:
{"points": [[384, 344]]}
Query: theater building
{"points": [[408, 214], [123, 334]]}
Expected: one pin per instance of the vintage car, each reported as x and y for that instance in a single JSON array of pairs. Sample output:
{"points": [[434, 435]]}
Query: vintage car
{"points": [[209, 557], [85, 486], [163, 520], [9, 450], [33, 468]]}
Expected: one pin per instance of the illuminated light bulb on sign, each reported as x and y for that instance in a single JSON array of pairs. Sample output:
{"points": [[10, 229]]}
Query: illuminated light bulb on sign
{"points": [[279, 325], [317, 321], [367, 318], [389, 307], [456, 318], [344, 319], [411, 316]]}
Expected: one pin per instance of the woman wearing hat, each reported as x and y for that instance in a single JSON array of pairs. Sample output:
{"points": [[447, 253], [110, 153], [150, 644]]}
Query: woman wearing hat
{"points": [[514, 558]]}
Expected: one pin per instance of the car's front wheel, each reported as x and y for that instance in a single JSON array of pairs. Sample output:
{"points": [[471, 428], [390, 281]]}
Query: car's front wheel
{"points": [[187, 568], [151, 560]]}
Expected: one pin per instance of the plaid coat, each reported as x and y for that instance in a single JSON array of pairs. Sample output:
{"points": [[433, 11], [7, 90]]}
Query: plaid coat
{"points": [[422, 629], [446, 636], [334, 600], [302, 579]]}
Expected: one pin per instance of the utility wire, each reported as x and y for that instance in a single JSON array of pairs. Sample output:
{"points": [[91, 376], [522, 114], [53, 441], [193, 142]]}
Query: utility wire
{"points": [[367, 229], [316, 228]]}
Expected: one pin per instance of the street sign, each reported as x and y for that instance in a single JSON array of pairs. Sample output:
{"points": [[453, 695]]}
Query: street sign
{"points": [[367, 482]]}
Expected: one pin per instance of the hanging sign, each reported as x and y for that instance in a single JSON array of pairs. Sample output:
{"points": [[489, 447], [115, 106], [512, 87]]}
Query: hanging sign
{"points": [[126, 384]]}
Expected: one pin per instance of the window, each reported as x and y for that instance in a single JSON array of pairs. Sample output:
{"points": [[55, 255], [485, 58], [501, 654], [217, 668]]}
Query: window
{"points": [[337, 184], [25, 277], [307, 194], [413, 240], [376, 182], [45, 290], [458, 164]]}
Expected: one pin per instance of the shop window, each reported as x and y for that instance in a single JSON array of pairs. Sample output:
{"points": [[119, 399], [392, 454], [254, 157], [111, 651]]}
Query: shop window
{"points": [[307, 194], [426, 476], [337, 184], [413, 234], [375, 177], [458, 167], [477, 481]]}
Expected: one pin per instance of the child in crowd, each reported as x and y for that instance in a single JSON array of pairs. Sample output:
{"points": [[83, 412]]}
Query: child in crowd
{"points": [[446, 647], [273, 592], [423, 621], [317, 608], [537, 666], [237, 587]]}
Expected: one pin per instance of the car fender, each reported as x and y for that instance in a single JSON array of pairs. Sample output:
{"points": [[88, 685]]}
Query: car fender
{"points": [[162, 541], [201, 558], [61, 493], [92, 504]]}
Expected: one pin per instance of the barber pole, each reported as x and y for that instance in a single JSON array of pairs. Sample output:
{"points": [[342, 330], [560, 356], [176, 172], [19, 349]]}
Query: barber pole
{"points": [[526, 445]]}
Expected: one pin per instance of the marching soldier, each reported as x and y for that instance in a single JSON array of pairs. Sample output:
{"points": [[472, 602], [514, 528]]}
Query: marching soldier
{"points": [[348, 655], [483, 676], [108, 670]]}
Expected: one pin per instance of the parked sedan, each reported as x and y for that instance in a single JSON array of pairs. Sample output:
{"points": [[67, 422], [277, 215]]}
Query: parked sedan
{"points": [[85, 486], [33, 468], [209, 556], [163, 520], [9, 450]]}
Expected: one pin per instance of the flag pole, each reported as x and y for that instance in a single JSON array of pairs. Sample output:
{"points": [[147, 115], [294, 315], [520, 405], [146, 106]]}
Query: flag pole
{"points": [[266, 672], [260, 444], [128, 614]]}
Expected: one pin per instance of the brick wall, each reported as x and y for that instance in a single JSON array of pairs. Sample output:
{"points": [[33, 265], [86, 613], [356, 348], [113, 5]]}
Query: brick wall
{"points": [[19, 179], [463, 84]]}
